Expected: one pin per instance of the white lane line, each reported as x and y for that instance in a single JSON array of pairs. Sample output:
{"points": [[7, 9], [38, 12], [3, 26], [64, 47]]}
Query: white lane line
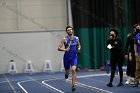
{"points": [[95, 79], [3, 81], [79, 84], [10, 84], [21, 85], [52, 87], [84, 76], [90, 87], [44, 85], [95, 88]]}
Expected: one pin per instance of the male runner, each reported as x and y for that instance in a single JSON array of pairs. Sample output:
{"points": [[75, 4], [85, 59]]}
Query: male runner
{"points": [[71, 47]]}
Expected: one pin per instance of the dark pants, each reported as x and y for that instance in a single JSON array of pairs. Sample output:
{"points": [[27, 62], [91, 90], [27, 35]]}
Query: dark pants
{"points": [[116, 61], [131, 67]]}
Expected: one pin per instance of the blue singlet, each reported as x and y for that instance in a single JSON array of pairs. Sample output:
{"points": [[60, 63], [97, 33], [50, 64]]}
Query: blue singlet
{"points": [[70, 57]]}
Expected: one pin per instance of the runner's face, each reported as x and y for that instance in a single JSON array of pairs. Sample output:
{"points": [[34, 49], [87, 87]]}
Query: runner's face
{"points": [[69, 31]]}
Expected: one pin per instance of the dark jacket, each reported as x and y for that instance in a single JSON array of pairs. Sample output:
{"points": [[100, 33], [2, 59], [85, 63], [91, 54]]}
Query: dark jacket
{"points": [[129, 48], [117, 50]]}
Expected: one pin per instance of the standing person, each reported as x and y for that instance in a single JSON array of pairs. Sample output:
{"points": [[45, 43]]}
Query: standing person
{"points": [[137, 55], [71, 47], [117, 56], [130, 55]]}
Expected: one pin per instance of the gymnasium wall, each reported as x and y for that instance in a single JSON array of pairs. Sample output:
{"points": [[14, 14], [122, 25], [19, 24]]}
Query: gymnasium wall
{"points": [[32, 15], [34, 46], [31, 30]]}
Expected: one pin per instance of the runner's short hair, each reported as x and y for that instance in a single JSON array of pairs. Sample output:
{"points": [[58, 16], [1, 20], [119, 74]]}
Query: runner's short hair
{"points": [[68, 27]]}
